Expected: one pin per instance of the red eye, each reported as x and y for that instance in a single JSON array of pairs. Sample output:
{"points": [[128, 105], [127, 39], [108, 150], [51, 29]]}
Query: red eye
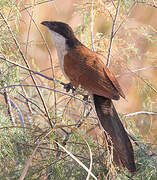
{"points": [[54, 26]]}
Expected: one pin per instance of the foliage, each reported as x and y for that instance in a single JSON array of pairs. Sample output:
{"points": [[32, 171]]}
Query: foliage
{"points": [[26, 111]]}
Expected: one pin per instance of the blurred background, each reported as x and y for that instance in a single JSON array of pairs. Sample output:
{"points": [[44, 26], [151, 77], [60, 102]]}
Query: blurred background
{"points": [[25, 43], [134, 48]]}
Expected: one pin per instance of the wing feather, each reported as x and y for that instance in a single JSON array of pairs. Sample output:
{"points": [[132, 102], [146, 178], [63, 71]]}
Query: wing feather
{"points": [[85, 68]]}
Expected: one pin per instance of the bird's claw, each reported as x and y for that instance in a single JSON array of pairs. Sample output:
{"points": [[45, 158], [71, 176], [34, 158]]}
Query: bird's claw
{"points": [[69, 86], [85, 98]]}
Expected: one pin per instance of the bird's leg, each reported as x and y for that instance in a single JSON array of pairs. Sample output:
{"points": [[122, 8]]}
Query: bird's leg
{"points": [[85, 98], [69, 86]]}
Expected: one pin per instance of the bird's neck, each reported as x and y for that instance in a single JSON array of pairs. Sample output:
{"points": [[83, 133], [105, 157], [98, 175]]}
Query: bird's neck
{"points": [[62, 46], [73, 42]]}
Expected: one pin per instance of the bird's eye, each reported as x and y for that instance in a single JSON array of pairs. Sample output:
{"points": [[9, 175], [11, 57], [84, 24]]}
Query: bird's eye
{"points": [[54, 26]]}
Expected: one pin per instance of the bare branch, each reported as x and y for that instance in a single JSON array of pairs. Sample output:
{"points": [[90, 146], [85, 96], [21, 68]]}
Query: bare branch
{"points": [[124, 20], [26, 62], [32, 71], [51, 89], [112, 32], [146, 3], [36, 4], [50, 58], [136, 70], [13, 104], [92, 25], [8, 104], [141, 112]]}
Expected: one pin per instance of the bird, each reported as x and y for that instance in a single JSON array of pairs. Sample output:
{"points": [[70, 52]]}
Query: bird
{"points": [[83, 68]]}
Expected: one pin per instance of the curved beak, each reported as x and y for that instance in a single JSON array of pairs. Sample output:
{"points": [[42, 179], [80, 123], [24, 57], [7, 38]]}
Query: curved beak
{"points": [[46, 23]]}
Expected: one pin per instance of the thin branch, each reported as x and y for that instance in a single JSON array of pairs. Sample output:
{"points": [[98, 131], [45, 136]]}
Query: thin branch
{"points": [[24, 172], [146, 3], [31, 102], [32, 71], [26, 62], [77, 160], [51, 89], [13, 104], [141, 112], [112, 32], [9, 109], [27, 102], [141, 146], [124, 20], [51, 149], [114, 4], [148, 84], [36, 4], [50, 57], [77, 124], [26, 51], [92, 25], [136, 70], [110, 14]]}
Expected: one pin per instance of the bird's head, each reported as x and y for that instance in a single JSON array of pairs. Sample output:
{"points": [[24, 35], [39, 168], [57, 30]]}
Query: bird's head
{"points": [[60, 31]]}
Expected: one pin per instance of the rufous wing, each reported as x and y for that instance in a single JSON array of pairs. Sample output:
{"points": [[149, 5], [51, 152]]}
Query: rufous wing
{"points": [[84, 67], [114, 81]]}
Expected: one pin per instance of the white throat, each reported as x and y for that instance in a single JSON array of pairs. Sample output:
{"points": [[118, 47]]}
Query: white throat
{"points": [[61, 47]]}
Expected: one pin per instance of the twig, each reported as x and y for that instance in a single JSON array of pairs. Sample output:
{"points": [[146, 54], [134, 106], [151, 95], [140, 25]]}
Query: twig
{"points": [[27, 102], [141, 146], [9, 109], [51, 89], [136, 70], [26, 62], [50, 57], [30, 101], [77, 124], [113, 4], [13, 104], [112, 32], [26, 50], [146, 3], [129, 12], [51, 149], [32, 71], [92, 24], [77, 160], [141, 112], [148, 84], [24, 172], [36, 4]]}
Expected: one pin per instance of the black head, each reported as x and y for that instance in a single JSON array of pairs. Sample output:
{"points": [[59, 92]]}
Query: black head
{"points": [[59, 27]]}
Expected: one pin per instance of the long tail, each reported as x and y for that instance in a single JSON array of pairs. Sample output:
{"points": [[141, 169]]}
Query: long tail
{"points": [[123, 154]]}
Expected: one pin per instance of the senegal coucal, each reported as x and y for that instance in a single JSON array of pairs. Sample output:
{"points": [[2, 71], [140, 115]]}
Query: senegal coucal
{"points": [[82, 67]]}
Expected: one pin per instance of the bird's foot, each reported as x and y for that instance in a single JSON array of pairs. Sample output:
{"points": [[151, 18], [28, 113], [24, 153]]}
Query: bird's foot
{"points": [[85, 98], [69, 86]]}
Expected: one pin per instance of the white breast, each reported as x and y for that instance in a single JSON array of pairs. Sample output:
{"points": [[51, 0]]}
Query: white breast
{"points": [[61, 47]]}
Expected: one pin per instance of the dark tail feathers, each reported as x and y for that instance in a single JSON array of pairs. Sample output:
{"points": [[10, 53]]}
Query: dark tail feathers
{"points": [[123, 154]]}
